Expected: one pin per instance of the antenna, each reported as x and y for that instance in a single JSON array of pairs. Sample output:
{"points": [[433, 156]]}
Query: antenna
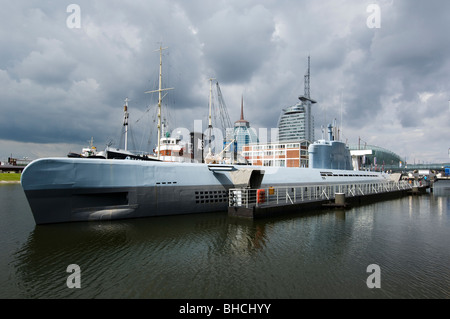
{"points": [[342, 101], [307, 79], [307, 102]]}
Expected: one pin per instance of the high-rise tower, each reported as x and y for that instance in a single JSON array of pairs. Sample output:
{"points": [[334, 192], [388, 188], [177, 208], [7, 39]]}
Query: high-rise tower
{"points": [[296, 122]]}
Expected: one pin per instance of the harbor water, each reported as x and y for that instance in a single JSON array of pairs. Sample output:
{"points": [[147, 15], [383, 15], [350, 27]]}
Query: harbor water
{"points": [[315, 254]]}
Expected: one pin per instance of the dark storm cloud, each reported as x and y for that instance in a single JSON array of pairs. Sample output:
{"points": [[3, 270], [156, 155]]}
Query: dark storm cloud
{"points": [[62, 85], [48, 64], [237, 43]]}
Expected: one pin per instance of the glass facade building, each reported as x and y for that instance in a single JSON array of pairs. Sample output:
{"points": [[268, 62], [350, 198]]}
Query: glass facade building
{"points": [[379, 157], [297, 123]]}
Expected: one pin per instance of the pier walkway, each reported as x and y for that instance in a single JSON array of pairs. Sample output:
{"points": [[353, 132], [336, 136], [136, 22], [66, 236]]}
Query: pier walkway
{"points": [[253, 203]]}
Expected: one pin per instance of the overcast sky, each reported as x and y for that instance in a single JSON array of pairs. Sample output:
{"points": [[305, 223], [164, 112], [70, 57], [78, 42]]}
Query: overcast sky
{"points": [[64, 77]]}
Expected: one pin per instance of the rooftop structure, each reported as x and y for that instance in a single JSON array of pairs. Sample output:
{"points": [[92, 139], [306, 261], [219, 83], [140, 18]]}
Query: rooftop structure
{"points": [[243, 133]]}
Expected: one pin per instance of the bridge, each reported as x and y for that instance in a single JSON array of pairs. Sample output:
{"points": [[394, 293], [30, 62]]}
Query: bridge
{"points": [[437, 167]]}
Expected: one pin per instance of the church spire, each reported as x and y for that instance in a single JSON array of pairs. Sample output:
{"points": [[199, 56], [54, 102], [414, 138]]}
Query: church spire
{"points": [[243, 133], [242, 121]]}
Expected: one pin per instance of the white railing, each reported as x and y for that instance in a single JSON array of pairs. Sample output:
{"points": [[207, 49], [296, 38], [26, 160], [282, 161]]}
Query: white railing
{"points": [[247, 197]]}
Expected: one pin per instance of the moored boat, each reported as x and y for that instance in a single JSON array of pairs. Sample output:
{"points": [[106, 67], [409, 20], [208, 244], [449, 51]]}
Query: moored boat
{"points": [[73, 189]]}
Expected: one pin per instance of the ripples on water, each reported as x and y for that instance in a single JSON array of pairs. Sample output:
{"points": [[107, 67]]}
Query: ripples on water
{"points": [[313, 255]]}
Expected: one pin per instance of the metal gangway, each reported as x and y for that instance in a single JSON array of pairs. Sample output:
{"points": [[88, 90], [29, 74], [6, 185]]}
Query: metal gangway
{"points": [[285, 195]]}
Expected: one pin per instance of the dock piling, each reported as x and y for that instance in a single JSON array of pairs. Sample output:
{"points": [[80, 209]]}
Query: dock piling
{"points": [[339, 199]]}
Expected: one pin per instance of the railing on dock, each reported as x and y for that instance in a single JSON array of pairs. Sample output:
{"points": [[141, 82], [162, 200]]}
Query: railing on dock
{"points": [[285, 195]]}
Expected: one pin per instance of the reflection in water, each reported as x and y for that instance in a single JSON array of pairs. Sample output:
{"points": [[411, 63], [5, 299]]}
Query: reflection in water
{"points": [[321, 254], [110, 251], [441, 191]]}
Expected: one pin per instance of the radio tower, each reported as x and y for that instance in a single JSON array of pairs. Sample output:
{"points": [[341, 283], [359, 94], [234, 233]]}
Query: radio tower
{"points": [[307, 102], [307, 78]]}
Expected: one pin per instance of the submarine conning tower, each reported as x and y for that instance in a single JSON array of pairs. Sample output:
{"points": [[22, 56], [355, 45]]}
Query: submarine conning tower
{"points": [[330, 154]]}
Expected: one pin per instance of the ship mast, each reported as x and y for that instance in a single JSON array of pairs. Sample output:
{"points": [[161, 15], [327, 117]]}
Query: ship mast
{"points": [[210, 112], [125, 122], [160, 90]]}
